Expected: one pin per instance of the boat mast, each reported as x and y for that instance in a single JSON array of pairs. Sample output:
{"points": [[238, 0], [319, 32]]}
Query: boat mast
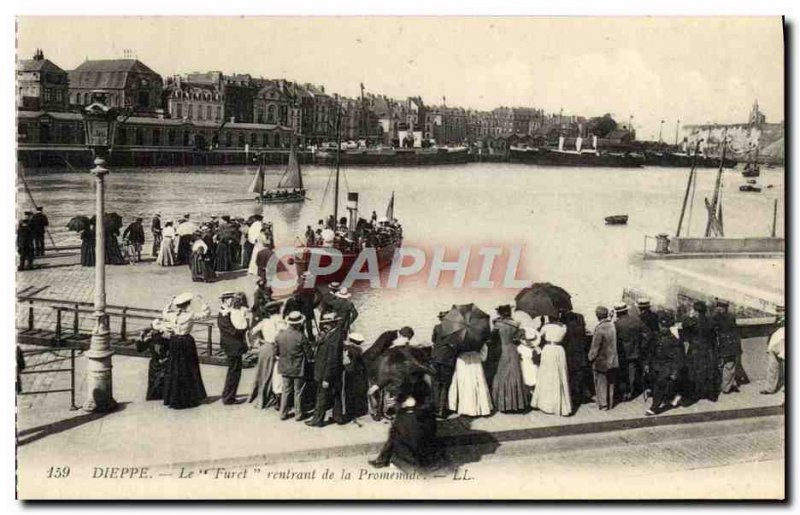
{"points": [[338, 150], [261, 172], [688, 187], [712, 209]]}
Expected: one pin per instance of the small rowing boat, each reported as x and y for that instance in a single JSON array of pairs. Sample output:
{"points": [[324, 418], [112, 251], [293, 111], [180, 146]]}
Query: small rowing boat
{"points": [[617, 220]]}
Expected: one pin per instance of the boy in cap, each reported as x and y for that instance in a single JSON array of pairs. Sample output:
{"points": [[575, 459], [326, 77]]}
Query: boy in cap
{"points": [[604, 359]]}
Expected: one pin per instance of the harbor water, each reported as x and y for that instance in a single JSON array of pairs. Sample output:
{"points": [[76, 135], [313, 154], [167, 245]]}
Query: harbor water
{"points": [[556, 215]]}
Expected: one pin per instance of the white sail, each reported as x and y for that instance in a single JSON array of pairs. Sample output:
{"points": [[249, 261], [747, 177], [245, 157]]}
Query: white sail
{"points": [[390, 208], [292, 178], [578, 143], [257, 186]]}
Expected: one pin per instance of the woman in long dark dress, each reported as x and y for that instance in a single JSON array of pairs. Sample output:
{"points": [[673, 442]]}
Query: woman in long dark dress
{"points": [[202, 270], [156, 345], [113, 252], [509, 392], [355, 384], [183, 383], [87, 246], [701, 364], [224, 261]]}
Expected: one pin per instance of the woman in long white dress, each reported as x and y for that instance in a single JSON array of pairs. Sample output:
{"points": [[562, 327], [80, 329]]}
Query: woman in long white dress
{"points": [[260, 243], [552, 383], [166, 254], [469, 392]]}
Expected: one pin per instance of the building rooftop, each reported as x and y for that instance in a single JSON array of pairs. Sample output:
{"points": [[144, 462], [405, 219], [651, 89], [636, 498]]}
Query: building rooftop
{"points": [[107, 73]]}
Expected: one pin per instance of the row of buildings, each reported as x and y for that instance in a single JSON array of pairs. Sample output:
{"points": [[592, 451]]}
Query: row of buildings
{"points": [[212, 110]]}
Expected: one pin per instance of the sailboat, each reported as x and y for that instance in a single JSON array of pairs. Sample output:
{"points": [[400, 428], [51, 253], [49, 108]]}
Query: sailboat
{"points": [[752, 168], [351, 236], [290, 186]]}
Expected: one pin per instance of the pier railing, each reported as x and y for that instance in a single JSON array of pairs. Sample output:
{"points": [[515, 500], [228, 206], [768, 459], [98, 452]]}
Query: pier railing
{"points": [[43, 368], [60, 322]]}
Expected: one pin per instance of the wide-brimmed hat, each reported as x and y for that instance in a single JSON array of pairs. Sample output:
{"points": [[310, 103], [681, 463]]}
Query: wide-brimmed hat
{"points": [[356, 338], [504, 310], [343, 293], [620, 307], [643, 303], [183, 298], [334, 286], [406, 331], [531, 334], [295, 318], [721, 303]]}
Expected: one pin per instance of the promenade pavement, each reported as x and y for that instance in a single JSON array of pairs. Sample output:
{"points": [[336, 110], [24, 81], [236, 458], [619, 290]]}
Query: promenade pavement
{"points": [[147, 433]]}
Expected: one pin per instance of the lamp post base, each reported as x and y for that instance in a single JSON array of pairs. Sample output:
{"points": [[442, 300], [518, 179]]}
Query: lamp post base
{"points": [[99, 386]]}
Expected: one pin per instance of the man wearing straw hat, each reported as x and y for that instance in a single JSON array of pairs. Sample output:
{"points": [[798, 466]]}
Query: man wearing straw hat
{"points": [[291, 349]]}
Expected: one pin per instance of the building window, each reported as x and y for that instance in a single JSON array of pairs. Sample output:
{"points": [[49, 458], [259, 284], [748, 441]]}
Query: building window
{"points": [[179, 110], [170, 137], [185, 138], [139, 137], [241, 140], [122, 136], [260, 116], [228, 139], [219, 113], [22, 132], [143, 99], [156, 137], [271, 114], [208, 112], [253, 141], [264, 140], [191, 111], [200, 112], [66, 134]]}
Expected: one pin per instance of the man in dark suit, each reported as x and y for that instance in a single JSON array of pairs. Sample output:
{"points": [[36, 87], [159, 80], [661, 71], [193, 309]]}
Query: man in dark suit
{"points": [[232, 331], [328, 371], [344, 308], [443, 359], [576, 350], [632, 339], [25, 242], [39, 224], [292, 347]]}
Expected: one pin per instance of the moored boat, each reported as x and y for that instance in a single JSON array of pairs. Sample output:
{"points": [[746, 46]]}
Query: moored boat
{"points": [[586, 158], [750, 188], [394, 156], [616, 220]]}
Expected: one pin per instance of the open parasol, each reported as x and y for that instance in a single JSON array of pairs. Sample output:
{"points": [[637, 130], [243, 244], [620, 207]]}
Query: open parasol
{"points": [[254, 231], [543, 299], [79, 223], [186, 228], [466, 327], [254, 218]]}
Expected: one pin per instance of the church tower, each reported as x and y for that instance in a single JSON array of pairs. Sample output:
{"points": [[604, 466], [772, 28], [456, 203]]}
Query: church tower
{"points": [[757, 118]]}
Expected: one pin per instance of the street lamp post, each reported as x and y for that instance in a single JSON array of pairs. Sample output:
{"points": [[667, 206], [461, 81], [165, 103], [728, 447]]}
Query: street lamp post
{"points": [[100, 123]]}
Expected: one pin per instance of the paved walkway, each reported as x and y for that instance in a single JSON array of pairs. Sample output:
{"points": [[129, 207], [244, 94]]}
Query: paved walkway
{"points": [[147, 433]]}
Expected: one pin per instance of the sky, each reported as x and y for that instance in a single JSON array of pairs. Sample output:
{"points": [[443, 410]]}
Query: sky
{"points": [[696, 70]]}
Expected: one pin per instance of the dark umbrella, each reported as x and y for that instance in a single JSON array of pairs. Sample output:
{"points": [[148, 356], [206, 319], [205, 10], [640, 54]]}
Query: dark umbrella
{"points": [[79, 223], [113, 221], [255, 218], [543, 299], [466, 327]]}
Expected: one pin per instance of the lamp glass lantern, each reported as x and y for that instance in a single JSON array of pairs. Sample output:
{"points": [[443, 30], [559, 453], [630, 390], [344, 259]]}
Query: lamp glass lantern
{"points": [[100, 123]]}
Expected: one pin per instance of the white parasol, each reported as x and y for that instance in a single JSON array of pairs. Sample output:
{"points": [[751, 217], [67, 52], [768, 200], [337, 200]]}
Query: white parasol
{"points": [[186, 228], [254, 231]]}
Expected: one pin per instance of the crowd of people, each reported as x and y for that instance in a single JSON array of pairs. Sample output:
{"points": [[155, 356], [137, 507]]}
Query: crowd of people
{"points": [[309, 361], [375, 232]]}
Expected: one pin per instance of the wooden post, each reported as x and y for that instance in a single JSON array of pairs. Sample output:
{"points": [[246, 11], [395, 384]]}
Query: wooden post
{"points": [[58, 324], [30, 315], [76, 321], [73, 406], [774, 216], [123, 326], [209, 339]]}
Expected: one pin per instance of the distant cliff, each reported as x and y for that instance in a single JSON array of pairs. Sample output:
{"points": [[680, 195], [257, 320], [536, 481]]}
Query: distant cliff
{"points": [[769, 137]]}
